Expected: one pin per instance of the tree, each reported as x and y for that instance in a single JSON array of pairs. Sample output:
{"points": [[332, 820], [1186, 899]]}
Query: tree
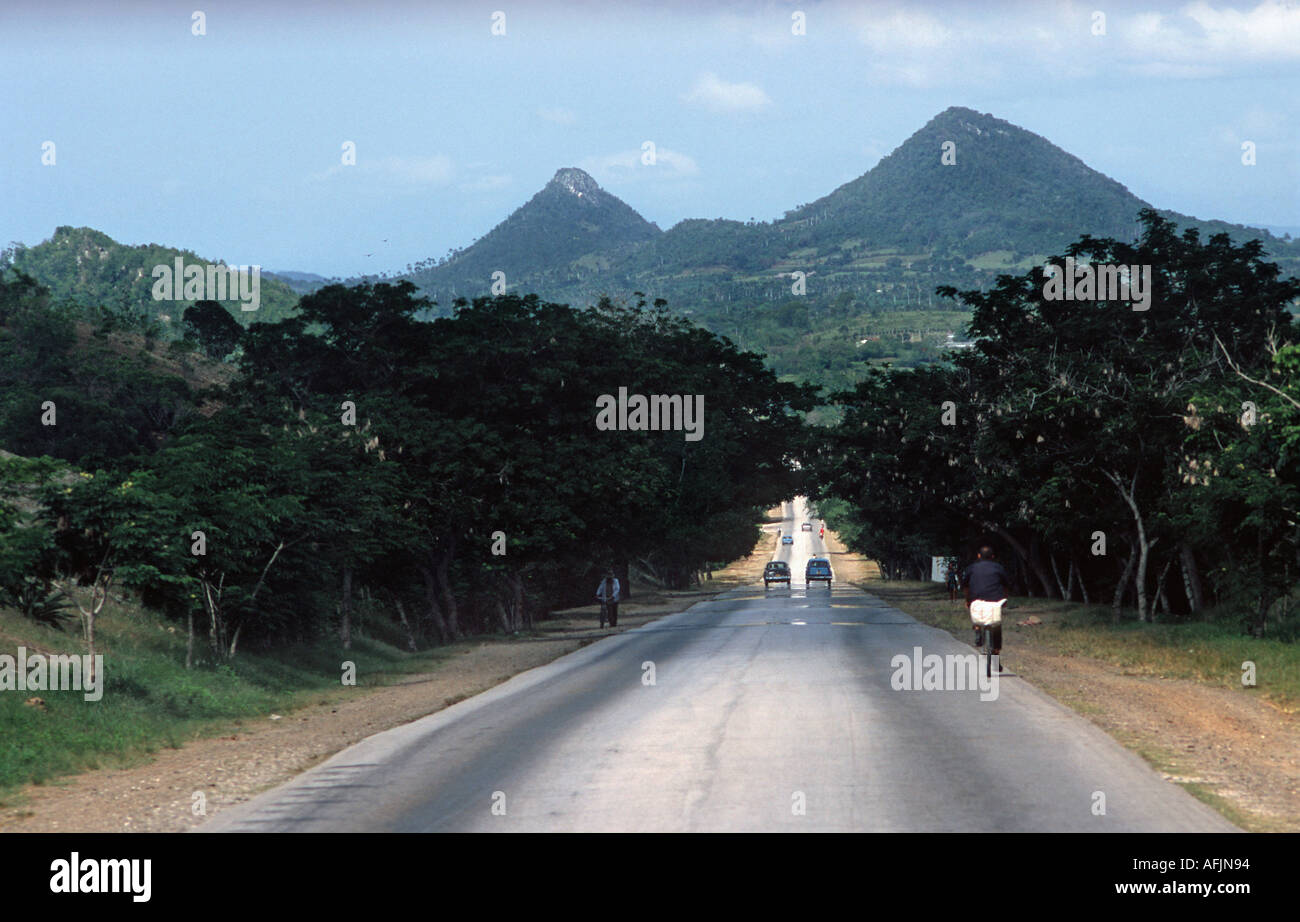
{"points": [[1242, 470], [1070, 416], [99, 521], [215, 329]]}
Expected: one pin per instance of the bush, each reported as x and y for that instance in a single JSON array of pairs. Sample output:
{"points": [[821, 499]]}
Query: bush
{"points": [[37, 600]]}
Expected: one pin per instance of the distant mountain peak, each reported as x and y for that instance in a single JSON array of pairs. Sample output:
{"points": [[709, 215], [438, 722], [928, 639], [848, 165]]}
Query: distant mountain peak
{"points": [[970, 182], [570, 220], [965, 112], [90, 268], [576, 182], [964, 119], [965, 194]]}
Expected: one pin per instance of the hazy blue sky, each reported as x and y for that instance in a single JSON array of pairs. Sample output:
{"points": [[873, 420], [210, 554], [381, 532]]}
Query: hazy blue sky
{"points": [[230, 143]]}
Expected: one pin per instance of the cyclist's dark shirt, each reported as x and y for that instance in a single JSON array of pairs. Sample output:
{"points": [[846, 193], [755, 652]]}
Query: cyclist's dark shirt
{"points": [[987, 580]]}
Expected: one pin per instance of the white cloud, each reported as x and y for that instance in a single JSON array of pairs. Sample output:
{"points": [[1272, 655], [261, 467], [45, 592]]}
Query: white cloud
{"points": [[933, 45], [913, 48], [762, 26], [911, 74], [1271, 29], [418, 171], [1199, 39], [489, 182], [557, 114], [627, 165], [904, 31], [1262, 126], [719, 95], [436, 170]]}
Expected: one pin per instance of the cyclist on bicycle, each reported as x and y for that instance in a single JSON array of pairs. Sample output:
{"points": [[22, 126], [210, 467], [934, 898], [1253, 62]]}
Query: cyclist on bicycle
{"points": [[986, 581], [608, 592]]}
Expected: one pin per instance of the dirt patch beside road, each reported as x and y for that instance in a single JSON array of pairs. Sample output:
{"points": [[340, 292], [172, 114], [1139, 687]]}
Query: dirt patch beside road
{"points": [[1238, 753], [847, 566]]}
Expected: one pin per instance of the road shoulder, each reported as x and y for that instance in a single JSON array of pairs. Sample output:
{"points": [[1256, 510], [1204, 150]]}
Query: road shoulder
{"points": [[251, 756], [1233, 750]]}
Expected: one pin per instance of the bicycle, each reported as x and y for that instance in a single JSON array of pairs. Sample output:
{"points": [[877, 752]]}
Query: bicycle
{"points": [[954, 585], [608, 613], [988, 632]]}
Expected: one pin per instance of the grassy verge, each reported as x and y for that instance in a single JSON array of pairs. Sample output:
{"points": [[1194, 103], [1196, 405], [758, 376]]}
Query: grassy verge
{"points": [[1210, 652], [150, 701]]}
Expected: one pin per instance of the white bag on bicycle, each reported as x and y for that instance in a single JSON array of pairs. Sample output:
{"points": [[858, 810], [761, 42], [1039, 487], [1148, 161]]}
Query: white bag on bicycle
{"points": [[986, 613]]}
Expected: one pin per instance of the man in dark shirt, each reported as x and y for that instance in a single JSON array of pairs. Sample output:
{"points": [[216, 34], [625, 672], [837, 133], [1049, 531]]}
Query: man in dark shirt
{"points": [[987, 581]]}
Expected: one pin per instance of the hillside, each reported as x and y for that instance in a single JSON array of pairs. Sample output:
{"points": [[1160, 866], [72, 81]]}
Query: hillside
{"points": [[870, 252], [1006, 189], [566, 232], [300, 282], [91, 269], [832, 287], [1009, 199]]}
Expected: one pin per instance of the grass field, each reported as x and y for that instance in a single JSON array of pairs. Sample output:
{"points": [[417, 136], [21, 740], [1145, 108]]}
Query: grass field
{"points": [[151, 701], [1208, 651]]}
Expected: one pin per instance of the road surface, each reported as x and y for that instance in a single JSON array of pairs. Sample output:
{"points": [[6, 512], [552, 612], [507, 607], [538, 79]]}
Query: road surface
{"points": [[760, 710]]}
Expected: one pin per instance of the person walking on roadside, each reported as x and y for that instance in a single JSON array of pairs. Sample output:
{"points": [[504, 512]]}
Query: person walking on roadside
{"points": [[953, 575], [609, 592]]}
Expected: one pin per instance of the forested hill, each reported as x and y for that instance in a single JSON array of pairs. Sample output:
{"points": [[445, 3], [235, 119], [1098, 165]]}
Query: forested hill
{"points": [[1002, 187], [825, 292], [92, 270], [570, 229], [996, 198], [994, 187], [845, 281]]}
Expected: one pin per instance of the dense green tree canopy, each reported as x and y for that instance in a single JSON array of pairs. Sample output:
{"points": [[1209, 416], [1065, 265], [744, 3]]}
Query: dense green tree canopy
{"points": [[1070, 420]]}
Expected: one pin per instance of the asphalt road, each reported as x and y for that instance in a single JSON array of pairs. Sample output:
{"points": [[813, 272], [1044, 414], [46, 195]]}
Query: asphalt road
{"points": [[769, 711]]}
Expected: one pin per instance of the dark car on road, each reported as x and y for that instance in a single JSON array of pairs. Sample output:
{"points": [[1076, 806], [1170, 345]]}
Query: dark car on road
{"points": [[787, 540], [807, 526], [819, 568], [776, 571]]}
